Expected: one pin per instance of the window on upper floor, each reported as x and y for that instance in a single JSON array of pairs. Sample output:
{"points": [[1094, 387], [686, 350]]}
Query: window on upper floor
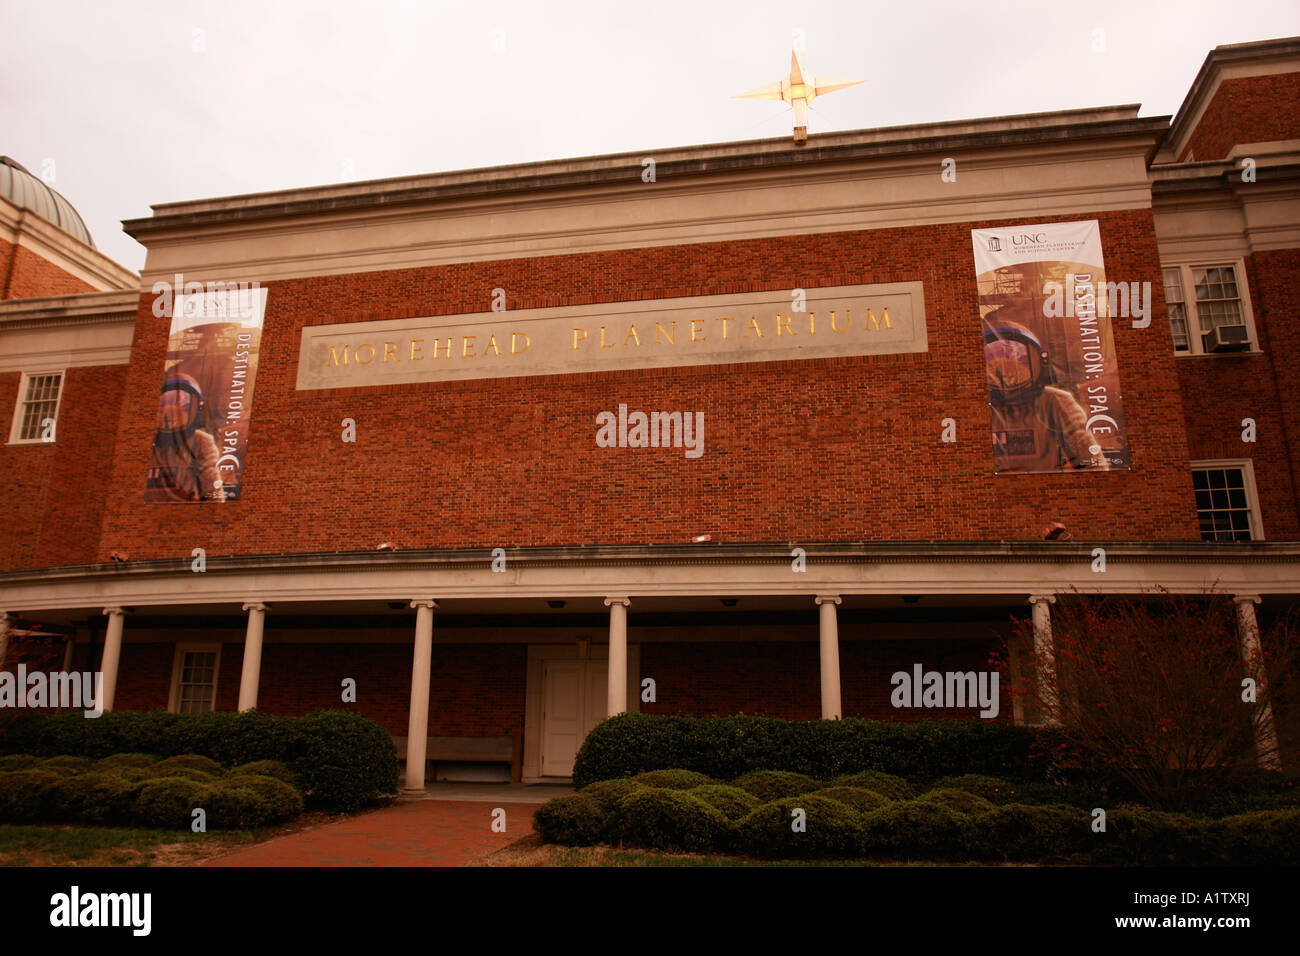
{"points": [[1226, 503], [37, 410], [1209, 309]]}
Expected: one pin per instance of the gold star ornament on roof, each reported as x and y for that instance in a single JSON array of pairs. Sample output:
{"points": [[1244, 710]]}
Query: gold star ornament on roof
{"points": [[798, 89]]}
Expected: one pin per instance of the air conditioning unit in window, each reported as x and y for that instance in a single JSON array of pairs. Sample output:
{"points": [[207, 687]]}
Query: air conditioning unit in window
{"points": [[1227, 338]]}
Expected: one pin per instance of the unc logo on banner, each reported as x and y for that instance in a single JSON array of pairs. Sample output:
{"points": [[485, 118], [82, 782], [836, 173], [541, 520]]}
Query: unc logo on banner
{"points": [[1051, 372]]}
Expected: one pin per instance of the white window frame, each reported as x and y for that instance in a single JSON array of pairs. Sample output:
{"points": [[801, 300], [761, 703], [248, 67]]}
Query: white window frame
{"points": [[1252, 496], [16, 426], [178, 665], [1194, 332]]}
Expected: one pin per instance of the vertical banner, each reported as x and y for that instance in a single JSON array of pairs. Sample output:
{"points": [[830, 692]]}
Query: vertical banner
{"points": [[201, 431], [1049, 355]]}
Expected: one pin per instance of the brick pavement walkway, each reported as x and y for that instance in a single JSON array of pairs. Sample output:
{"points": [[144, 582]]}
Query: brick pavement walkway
{"points": [[416, 833]]}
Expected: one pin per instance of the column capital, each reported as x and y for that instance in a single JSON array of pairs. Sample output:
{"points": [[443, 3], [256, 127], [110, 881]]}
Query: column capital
{"points": [[611, 601], [255, 606], [828, 599], [1246, 599], [1036, 598], [114, 610], [425, 602]]}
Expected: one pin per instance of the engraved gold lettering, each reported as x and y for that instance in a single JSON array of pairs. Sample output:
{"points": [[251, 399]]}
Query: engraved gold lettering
{"points": [[724, 319], [602, 339], [527, 342], [753, 324], [357, 354], [390, 348], [631, 334], [467, 347], [848, 318], [783, 322], [884, 314], [416, 344], [695, 322], [334, 358], [436, 346], [576, 340], [672, 339], [492, 344]]}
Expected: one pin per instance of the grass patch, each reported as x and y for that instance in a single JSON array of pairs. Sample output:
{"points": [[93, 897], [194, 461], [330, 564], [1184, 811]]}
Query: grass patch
{"points": [[109, 846]]}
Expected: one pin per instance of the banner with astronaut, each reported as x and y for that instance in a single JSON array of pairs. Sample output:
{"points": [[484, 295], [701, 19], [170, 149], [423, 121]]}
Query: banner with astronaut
{"points": [[1049, 355], [201, 428]]}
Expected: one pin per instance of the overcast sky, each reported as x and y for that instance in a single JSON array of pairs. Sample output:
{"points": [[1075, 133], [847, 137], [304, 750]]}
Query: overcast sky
{"points": [[128, 104]]}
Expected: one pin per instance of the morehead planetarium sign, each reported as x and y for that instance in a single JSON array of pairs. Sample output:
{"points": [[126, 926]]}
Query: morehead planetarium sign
{"points": [[655, 333]]}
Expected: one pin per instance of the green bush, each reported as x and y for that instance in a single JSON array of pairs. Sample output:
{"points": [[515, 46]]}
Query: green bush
{"points": [[1267, 838], [1021, 832], [1142, 837], [269, 768], [170, 802], [343, 760], [829, 828], [576, 820], [25, 795], [67, 765], [732, 801], [158, 772], [770, 785], [12, 762], [98, 796], [673, 779], [992, 789], [1074, 795], [959, 801], [915, 829], [1266, 790], [609, 792], [859, 799], [249, 800], [885, 784], [728, 747], [123, 761], [670, 820], [205, 765]]}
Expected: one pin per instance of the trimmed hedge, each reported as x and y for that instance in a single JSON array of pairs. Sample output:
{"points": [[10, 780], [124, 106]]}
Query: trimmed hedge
{"points": [[169, 802], [885, 784], [669, 820], [864, 801], [775, 784], [992, 789], [727, 747], [673, 779], [732, 801], [575, 820], [945, 824], [829, 829], [343, 760]]}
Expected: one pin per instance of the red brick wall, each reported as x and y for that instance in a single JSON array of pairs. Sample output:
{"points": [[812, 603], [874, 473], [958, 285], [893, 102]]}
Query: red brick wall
{"points": [[1220, 391], [845, 449], [27, 275], [57, 490], [1254, 109], [784, 679]]}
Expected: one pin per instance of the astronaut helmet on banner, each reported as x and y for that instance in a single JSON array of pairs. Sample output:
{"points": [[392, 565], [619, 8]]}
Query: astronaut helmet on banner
{"points": [[1015, 363]]}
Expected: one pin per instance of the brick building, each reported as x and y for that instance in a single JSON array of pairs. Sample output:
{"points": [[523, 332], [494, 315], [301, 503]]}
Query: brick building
{"points": [[446, 540]]}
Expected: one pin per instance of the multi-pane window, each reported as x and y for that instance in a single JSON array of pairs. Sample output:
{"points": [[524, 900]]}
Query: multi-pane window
{"points": [[1217, 317], [1224, 502], [38, 407], [1177, 306], [198, 682]]}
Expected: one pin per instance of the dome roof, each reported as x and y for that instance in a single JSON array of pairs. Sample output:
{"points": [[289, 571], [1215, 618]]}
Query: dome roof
{"points": [[30, 192]]}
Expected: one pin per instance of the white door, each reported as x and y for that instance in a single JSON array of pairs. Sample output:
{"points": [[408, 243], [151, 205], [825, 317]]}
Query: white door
{"points": [[573, 702]]}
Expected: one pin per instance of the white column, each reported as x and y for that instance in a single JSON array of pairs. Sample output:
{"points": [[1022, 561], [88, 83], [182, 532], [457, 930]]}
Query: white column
{"points": [[112, 654], [252, 673], [6, 619], [830, 657], [616, 682], [1252, 655], [417, 732], [1045, 656]]}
